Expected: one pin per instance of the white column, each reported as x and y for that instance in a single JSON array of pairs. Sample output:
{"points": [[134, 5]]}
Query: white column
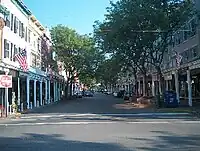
{"points": [[18, 93], [27, 91], [160, 89], [49, 83], [46, 91], [144, 86], [35, 93], [153, 87], [167, 85], [177, 86], [189, 88], [41, 93]]}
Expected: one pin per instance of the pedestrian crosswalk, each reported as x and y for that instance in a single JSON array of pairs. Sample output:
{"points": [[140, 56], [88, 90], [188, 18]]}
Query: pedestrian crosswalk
{"points": [[109, 118]]}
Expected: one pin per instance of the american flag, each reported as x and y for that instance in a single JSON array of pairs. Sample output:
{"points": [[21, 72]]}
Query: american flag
{"points": [[178, 59], [21, 58]]}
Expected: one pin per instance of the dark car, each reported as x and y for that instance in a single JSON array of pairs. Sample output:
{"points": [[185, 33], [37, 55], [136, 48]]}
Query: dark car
{"points": [[79, 95], [88, 94]]}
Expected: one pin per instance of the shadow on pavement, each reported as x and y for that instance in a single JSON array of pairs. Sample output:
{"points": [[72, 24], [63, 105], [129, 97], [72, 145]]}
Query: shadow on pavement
{"points": [[169, 141], [40, 142]]}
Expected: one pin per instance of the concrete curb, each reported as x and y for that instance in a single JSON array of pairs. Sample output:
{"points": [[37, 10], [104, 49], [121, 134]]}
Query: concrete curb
{"points": [[196, 113]]}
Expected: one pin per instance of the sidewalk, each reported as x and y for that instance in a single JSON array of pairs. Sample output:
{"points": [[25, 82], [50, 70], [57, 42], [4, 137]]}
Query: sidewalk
{"points": [[195, 111], [18, 115]]}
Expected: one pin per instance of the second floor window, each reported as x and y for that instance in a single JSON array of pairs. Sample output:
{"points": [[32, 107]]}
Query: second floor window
{"points": [[15, 52], [20, 29], [23, 31], [33, 60], [12, 22], [16, 25], [26, 34], [11, 52], [6, 48], [29, 36], [39, 44], [8, 20], [38, 62]]}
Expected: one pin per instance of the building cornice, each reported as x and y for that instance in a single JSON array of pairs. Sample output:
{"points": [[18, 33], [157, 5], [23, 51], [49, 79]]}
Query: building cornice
{"points": [[22, 7]]}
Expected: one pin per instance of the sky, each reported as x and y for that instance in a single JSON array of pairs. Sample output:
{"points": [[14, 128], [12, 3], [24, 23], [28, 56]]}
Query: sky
{"points": [[77, 14]]}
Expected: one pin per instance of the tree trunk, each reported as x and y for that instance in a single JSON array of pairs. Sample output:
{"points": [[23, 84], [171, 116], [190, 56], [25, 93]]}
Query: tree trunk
{"points": [[161, 79], [66, 89], [145, 85], [135, 86]]}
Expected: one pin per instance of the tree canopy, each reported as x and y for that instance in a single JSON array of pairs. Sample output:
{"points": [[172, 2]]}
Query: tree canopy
{"points": [[140, 31], [77, 52]]}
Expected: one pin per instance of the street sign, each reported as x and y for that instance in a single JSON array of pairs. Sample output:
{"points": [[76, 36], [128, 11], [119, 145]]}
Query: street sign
{"points": [[5, 81]]}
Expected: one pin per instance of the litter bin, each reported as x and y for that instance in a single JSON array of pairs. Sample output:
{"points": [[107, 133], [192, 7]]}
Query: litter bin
{"points": [[170, 99]]}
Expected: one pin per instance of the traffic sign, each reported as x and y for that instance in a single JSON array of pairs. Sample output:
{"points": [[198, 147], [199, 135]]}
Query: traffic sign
{"points": [[5, 81]]}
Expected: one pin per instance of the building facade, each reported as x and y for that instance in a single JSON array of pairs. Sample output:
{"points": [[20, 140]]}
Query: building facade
{"points": [[22, 31]]}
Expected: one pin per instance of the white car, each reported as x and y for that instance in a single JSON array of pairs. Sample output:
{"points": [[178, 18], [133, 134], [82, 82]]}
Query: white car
{"points": [[115, 94]]}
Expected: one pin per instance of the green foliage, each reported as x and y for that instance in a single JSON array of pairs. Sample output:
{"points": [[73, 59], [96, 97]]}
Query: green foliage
{"points": [[139, 31], [78, 52], [108, 71]]}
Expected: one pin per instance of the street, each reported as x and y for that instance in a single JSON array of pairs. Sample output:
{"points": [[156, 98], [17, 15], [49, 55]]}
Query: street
{"points": [[95, 124]]}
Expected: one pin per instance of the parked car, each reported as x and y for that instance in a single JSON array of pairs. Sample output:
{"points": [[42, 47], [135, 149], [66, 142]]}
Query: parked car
{"points": [[121, 93], [79, 95], [115, 94], [109, 93], [88, 94]]}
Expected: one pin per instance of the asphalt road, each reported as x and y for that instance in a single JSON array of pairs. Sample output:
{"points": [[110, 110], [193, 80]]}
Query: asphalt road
{"points": [[93, 124]]}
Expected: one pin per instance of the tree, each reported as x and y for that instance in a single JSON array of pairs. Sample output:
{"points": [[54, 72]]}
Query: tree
{"points": [[107, 73], [77, 52], [140, 30]]}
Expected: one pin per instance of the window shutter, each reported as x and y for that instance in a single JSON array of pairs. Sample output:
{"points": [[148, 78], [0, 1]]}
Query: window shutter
{"points": [[15, 25], [19, 29], [26, 34], [5, 44], [23, 31]]}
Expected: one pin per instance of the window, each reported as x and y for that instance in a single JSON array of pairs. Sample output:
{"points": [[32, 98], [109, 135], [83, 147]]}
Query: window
{"points": [[15, 52], [8, 20], [11, 52], [26, 34], [193, 27], [34, 41], [19, 49], [34, 44], [38, 44], [194, 52], [16, 25], [12, 21], [20, 29], [23, 31], [38, 62], [33, 60], [29, 36], [6, 48]]}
